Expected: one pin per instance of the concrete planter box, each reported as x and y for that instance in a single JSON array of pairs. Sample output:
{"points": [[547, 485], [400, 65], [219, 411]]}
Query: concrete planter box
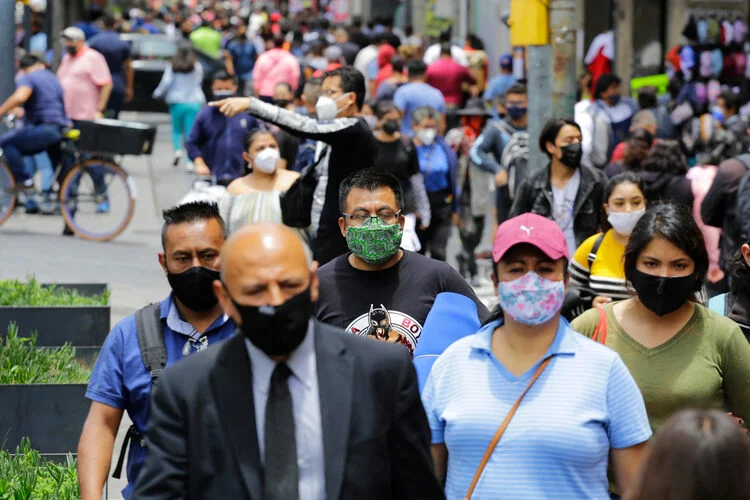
{"points": [[82, 326], [84, 289], [51, 415]]}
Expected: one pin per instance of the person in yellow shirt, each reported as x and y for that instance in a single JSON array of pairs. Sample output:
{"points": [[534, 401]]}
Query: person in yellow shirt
{"points": [[597, 265]]}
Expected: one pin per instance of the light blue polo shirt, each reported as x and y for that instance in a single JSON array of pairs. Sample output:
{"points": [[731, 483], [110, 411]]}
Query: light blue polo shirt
{"points": [[120, 379], [557, 444]]}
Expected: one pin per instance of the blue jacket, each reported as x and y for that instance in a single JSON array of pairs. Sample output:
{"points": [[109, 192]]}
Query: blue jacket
{"points": [[219, 141]]}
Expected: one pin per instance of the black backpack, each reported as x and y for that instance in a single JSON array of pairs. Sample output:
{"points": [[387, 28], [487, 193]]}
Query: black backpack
{"points": [[515, 158], [150, 330]]}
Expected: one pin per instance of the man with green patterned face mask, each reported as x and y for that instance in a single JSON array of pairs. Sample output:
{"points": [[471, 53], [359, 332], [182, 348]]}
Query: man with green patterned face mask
{"points": [[379, 289]]}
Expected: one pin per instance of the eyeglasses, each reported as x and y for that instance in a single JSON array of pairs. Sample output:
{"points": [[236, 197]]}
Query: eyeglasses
{"points": [[389, 218]]}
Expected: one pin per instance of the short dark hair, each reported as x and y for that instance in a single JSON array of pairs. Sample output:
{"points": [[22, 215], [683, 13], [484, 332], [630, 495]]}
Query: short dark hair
{"points": [[28, 61], [604, 82], [696, 454], [351, 81], [445, 49], [370, 179], [384, 107], [415, 68], [222, 76], [398, 63], [278, 40], [674, 223], [517, 89], [190, 212], [108, 20], [623, 178], [647, 98], [552, 129], [731, 101]]}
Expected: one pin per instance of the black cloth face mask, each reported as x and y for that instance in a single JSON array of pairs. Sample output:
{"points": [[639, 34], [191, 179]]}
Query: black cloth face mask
{"points": [[390, 127], [276, 330], [194, 287], [571, 155], [662, 295]]}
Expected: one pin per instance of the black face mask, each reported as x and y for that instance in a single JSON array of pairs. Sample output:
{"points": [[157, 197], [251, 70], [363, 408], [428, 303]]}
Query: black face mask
{"points": [[662, 295], [390, 127], [70, 49], [282, 103], [571, 155], [194, 287], [276, 330]]}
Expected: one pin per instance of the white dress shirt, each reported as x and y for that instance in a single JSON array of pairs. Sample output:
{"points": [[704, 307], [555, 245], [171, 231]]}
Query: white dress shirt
{"points": [[308, 429]]}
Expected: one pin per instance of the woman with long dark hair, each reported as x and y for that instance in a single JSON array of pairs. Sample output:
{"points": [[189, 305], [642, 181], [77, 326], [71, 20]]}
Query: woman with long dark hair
{"points": [[663, 174], [680, 353], [181, 87], [581, 405], [697, 455]]}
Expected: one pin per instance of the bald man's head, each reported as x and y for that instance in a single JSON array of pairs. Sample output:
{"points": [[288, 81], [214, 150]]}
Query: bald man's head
{"points": [[264, 264]]}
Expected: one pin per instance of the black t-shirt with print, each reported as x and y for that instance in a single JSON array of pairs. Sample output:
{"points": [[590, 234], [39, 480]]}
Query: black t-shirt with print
{"points": [[391, 304]]}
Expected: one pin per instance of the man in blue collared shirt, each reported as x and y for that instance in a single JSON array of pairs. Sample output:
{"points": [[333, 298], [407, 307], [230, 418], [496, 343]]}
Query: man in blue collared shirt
{"points": [[215, 141], [192, 238], [117, 54]]}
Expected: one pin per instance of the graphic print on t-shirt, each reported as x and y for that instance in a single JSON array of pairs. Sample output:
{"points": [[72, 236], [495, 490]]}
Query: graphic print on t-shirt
{"points": [[388, 326]]}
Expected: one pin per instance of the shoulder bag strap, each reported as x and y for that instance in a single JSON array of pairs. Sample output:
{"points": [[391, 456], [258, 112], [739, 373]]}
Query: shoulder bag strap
{"points": [[503, 426], [601, 327]]}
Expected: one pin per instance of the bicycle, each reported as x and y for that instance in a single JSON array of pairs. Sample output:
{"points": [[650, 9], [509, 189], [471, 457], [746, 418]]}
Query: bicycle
{"points": [[92, 192]]}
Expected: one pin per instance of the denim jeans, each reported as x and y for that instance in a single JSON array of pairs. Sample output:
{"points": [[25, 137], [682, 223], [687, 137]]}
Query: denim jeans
{"points": [[27, 141], [40, 162]]}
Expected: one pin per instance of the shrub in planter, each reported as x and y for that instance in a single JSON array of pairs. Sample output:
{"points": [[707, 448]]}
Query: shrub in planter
{"points": [[42, 395], [25, 474], [60, 314]]}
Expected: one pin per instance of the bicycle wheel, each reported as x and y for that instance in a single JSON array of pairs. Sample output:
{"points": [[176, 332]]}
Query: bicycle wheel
{"points": [[7, 192], [97, 199]]}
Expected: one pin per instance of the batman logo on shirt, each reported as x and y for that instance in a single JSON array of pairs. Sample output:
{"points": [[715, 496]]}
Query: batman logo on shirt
{"points": [[387, 326]]}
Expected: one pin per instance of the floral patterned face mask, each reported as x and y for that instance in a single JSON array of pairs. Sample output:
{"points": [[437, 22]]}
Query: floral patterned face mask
{"points": [[374, 241], [531, 299]]}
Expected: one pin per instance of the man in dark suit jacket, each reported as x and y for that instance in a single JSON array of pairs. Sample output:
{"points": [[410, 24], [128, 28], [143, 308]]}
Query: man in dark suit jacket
{"points": [[205, 439]]}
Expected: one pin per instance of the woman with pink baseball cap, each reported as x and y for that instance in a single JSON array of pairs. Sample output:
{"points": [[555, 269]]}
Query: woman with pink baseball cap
{"points": [[527, 408]]}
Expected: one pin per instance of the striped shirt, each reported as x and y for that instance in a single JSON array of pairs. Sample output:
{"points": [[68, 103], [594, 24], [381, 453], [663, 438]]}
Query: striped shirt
{"points": [[558, 443], [606, 276]]}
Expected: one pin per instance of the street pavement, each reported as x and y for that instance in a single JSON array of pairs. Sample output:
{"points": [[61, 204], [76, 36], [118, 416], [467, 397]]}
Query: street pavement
{"points": [[32, 245]]}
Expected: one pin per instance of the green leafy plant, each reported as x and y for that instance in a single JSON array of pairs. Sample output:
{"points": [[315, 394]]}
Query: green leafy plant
{"points": [[22, 362], [17, 293], [25, 474]]}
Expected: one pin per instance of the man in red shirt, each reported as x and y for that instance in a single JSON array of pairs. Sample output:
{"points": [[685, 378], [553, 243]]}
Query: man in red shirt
{"points": [[449, 77]]}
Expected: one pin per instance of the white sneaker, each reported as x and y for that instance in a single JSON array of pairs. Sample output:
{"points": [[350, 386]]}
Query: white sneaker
{"points": [[177, 158], [189, 167]]}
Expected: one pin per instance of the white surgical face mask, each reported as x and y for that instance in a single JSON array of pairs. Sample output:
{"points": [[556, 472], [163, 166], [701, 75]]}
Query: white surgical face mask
{"points": [[624, 222], [427, 135], [326, 108], [267, 160]]}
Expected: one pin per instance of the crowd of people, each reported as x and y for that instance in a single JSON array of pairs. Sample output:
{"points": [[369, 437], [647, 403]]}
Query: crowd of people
{"points": [[349, 154]]}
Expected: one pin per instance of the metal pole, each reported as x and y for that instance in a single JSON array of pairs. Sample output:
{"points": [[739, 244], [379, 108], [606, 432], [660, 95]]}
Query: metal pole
{"points": [[540, 99], [562, 25], [7, 48]]}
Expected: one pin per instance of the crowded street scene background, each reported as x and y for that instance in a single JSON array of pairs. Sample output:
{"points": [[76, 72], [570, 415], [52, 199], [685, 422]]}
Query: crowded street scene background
{"points": [[386, 280]]}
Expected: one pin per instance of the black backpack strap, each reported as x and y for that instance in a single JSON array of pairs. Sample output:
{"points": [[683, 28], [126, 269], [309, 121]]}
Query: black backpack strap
{"points": [[151, 340], [595, 249], [150, 333], [132, 435]]}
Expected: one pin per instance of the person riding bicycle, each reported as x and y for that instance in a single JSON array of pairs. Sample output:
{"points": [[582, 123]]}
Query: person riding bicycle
{"points": [[40, 94]]}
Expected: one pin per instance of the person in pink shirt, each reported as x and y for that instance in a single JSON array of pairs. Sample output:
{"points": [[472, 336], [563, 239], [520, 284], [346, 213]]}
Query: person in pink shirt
{"points": [[449, 77], [85, 78], [273, 67]]}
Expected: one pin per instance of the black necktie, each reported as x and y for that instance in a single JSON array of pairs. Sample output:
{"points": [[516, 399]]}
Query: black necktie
{"points": [[281, 474]]}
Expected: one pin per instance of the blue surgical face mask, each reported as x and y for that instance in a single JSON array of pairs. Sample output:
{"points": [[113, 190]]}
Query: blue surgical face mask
{"points": [[718, 114], [614, 100]]}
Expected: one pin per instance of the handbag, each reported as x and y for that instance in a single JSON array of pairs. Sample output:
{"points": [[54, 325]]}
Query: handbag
{"points": [[501, 429], [600, 334], [297, 201]]}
